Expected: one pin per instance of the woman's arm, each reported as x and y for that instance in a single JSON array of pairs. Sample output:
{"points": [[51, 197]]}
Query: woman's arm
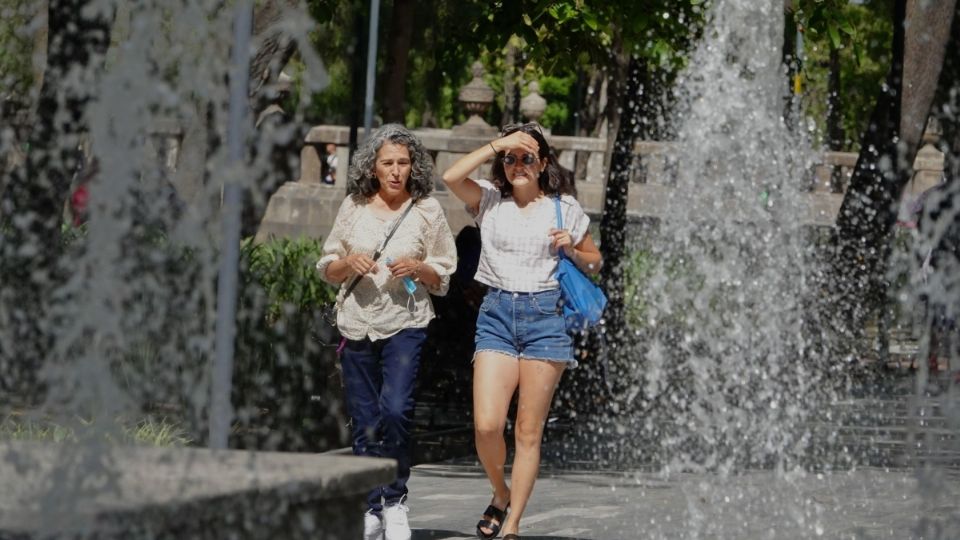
{"points": [[358, 263], [585, 255], [336, 264], [415, 269], [456, 176], [440, 259]]}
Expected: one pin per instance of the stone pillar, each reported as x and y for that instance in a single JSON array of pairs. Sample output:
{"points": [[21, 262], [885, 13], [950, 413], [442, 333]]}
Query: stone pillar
{"points": [[476, 97], [927, 171], [311, 155], [533, 105], [928, 165]]}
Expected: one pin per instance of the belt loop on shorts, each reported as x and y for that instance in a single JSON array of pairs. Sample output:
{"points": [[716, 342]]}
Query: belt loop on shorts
{"points": [[516, 294]]}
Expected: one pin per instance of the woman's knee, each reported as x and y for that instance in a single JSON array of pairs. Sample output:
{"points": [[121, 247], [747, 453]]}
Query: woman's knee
{"points": [[488, 428], [398, 415], [528, 434]]}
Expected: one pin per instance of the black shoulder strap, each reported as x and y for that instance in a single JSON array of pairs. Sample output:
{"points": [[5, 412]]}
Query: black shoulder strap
{"points": [[383, 245]]}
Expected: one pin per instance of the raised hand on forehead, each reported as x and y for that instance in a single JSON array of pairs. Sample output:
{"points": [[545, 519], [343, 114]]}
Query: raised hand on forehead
{"points": [[518, 140]]}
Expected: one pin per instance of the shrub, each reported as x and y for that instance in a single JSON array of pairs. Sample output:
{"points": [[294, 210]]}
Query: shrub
{"points": [[286, 384]]}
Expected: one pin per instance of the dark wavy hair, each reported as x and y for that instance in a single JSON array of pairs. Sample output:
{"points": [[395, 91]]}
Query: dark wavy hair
{"points": [[362, 180], [555, 178]]}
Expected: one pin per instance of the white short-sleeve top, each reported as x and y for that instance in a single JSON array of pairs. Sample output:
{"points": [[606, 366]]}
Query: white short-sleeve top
{"points": [[516, 253], [379, 306]]}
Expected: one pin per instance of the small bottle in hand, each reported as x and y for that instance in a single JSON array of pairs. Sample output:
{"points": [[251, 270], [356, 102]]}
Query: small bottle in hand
{"points": [[408, 283]]}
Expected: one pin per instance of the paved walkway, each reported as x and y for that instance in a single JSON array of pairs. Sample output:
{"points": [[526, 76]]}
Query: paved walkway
{"points": [[885, 431], [447, 498]]}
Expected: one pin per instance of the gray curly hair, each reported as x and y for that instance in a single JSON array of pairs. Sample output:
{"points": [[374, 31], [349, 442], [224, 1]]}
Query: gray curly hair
{"points": [[362, 181]]}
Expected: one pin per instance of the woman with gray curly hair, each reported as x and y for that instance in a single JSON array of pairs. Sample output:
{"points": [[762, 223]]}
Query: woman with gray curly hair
{"points": [[384, 310]]}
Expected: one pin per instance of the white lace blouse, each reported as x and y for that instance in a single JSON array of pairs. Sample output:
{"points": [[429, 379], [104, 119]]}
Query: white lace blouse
{"points": [[380, 306]]}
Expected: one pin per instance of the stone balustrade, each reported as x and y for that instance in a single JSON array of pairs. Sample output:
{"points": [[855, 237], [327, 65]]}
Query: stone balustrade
{"points": [[306, 206]]}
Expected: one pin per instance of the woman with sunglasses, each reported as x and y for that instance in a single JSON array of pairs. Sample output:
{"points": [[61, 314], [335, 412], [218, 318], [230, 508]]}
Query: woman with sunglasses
{"points": [[521, 340]]}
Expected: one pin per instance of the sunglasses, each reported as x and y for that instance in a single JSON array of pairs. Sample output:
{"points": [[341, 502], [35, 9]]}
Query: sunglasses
{"points": [[527, 159], [529, 126]]}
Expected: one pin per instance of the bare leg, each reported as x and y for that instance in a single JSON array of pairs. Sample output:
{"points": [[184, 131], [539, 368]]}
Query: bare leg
{"points": [[495, 377], [538, 380]]}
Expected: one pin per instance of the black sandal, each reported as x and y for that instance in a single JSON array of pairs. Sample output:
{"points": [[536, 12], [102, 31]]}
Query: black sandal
{"points": [[511, 536], [495, 514]]}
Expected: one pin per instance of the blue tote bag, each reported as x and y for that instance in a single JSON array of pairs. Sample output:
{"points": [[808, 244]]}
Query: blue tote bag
{"points": [[583, 301]]}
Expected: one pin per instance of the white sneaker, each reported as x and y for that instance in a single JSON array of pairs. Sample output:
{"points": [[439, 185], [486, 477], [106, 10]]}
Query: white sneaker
{"points": [[395, 522], [372, 526]]}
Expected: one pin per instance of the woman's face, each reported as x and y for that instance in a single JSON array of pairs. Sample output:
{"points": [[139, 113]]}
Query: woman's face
{"points": [[393, 169], [522, 168]]}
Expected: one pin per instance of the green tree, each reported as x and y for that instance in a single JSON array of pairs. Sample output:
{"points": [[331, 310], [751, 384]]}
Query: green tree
{"points": [[624, 49], [16, 46], [847, 48], [922, 72]]}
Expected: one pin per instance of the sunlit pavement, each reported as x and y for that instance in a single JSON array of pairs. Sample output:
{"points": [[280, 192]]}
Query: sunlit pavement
{"points": [[895, 461], [446, 500], [891, 462]]}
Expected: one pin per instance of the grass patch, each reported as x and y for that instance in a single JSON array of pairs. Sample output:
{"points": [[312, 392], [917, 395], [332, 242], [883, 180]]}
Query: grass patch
{"points": [[147, 431]]}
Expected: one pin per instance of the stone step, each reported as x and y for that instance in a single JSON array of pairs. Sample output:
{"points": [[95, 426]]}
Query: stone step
{"points": [[892, 431]]}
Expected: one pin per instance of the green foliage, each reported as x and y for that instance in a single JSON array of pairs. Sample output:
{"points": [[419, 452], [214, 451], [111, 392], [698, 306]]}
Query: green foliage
{"points": [[14, 428], [555, 40], [16, 48], [285, 390], [560, 95], [285, 270], [71, 234], [146, 431], [826, 19], [640, 267], [156, 432], [332, 105], [862, 33]]}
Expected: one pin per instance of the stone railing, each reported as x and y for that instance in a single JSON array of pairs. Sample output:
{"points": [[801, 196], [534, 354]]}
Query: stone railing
{"points": [[307, 206]]}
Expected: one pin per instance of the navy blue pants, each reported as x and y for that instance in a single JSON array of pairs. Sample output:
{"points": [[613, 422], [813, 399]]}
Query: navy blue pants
{"points": [[378, 379]]}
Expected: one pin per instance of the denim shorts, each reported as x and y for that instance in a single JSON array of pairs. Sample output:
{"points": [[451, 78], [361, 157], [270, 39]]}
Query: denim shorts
{"points": [[524, 326]]}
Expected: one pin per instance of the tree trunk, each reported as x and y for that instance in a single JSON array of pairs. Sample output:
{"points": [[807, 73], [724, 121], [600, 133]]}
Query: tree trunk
{"points": [[616, 86], [835, 116], [30, 250], [948, 103], [868, 212], [928, 31], [613, 223], [398, 54], [509, 84], [591, 382], [40, 37], [358, 50]]}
